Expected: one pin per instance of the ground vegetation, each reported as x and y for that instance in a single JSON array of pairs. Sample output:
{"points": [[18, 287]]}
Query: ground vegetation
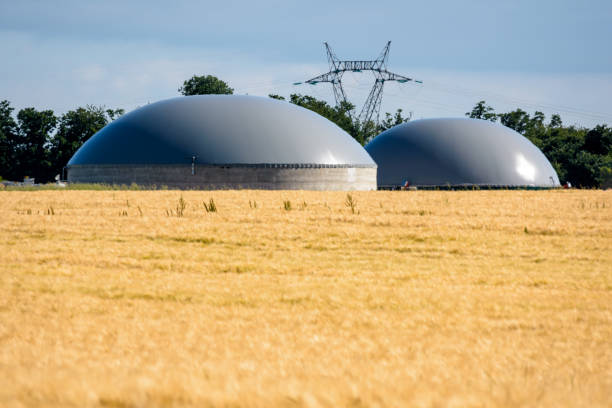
{"points": [[146, 298]]}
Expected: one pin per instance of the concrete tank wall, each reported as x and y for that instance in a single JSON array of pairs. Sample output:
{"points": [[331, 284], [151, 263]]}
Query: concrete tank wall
{"points": [[215, 177]]}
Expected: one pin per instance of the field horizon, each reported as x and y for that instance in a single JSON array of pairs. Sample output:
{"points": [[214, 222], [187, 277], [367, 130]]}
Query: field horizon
{"points": [[296, 298]]}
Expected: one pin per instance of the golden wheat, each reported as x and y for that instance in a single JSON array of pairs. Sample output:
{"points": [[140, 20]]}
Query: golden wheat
{"points": [[484, 298]]}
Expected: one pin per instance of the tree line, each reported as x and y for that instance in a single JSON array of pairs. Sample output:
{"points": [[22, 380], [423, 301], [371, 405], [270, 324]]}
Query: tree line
{"points": [[38, 144]]}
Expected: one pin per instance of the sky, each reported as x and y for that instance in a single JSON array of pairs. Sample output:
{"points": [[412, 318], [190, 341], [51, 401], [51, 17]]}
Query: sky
{"points": [[551, 56]]}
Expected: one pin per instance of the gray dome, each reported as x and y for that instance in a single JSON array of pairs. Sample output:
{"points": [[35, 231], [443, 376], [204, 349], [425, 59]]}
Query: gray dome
{"points": [[458, 151], [222, 129]]}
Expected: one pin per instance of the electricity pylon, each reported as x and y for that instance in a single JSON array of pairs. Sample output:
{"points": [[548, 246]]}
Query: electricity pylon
{"points": [[337, 68]]}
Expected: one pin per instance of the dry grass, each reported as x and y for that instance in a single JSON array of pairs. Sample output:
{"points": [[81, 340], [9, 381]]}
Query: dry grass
{"points": [[485, 298]]}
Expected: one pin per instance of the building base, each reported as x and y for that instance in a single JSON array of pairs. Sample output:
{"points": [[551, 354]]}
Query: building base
{"points": [[230, 177]]}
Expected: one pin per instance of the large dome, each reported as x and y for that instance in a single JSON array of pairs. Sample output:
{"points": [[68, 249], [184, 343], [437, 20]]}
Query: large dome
{"points": [[222, 129], [458, 151], [224, 141]]}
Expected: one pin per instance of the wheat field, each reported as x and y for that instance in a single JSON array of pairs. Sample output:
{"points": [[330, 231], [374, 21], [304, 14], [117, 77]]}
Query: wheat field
{"points": [[293, 298]]}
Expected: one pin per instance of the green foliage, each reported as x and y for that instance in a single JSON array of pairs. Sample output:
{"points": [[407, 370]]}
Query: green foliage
{"points": [[205, 85], [113, 113], [211, 206], [390, 121], [605, 174], [39, 144], [599, 140], [32, 146], [365, 131], [8, 140], [341, 116], [518, 120], [350, 202], [75, 128], [482, 111], [180, 209], [555, 121]]}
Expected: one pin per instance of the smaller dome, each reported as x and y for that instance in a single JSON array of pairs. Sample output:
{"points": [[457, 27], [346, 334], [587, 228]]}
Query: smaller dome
{"points": [[458, 151]]}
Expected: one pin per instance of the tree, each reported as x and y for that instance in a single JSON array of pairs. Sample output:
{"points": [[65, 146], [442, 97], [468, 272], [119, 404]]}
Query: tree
{"points": [[366, 131], [114, 113], [518, 120], [8, 141], [599, 140], [555, 121], [340, 115], [584, 169], [482, 111], [33, 142], [535, 129], [75, 128], [391, 121], [39, 144], [605, 174], [579, 155], [205, 85], [560, 146]]}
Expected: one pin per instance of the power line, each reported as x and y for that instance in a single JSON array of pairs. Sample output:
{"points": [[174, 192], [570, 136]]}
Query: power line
{"points": [[337, 68], [523, 102]]}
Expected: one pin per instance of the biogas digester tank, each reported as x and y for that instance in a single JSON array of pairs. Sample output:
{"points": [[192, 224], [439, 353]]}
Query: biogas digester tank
{"points": [[224, 142], [458, 151]]}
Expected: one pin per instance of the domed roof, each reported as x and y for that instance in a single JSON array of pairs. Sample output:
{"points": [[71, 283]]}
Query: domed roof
{"points": [[458, 151], [222, 129]]}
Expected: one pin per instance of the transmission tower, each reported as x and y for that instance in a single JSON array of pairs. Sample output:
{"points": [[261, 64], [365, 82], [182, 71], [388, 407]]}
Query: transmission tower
{"points": [[337, 68]]}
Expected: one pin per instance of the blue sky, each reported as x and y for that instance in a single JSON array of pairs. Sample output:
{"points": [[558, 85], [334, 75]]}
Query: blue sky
{"points": [[553, 56]]}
